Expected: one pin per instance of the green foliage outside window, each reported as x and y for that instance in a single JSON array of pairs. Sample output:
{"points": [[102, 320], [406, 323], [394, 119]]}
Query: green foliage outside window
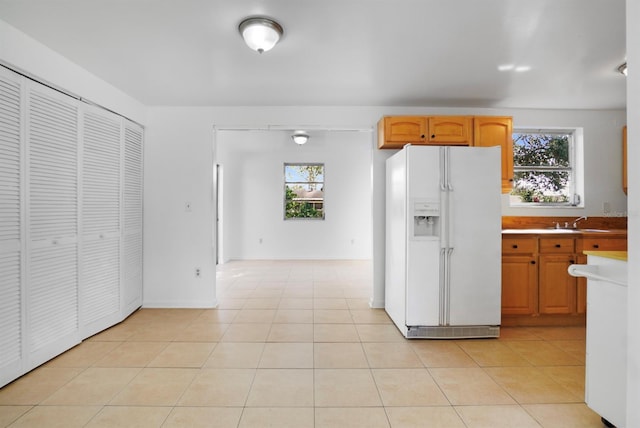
{"points": [[304, 191], [542, 167], [296, 209]]}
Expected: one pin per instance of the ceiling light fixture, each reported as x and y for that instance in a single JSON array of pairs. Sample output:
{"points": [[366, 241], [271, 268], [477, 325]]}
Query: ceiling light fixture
{"points": [[260, 33], [300, 137], [623, 69]]}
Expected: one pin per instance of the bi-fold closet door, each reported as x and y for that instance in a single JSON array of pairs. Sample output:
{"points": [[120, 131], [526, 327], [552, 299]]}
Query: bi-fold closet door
{"points": [[100, 200], [12, 229], [51, 212], [131, 245], [70, 222]]}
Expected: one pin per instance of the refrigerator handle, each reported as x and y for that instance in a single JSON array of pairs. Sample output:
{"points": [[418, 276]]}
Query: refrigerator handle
{"points": [[443, 173], [442, 285], [447, 163], [447, 309]]}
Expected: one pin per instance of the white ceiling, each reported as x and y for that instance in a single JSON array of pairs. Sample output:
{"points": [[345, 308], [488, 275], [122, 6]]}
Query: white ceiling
{"points": [[440, 53]]}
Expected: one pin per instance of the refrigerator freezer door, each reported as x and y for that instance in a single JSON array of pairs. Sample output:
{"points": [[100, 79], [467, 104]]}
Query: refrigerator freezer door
{"points": [[423, 256], [474, 233]]}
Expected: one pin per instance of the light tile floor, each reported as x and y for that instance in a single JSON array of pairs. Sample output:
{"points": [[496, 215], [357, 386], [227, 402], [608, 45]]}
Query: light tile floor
{"points": [[295, 344]]}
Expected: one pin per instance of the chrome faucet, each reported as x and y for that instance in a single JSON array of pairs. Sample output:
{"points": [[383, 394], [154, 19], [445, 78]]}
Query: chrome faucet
{"points": [[575, 222]]}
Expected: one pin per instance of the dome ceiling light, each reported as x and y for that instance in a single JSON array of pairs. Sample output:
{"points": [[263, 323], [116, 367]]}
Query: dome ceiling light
{"points": [[260, 33], [300, 137]]}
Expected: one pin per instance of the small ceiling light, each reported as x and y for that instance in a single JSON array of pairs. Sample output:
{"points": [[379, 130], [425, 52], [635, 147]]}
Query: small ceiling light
{"points": [[300, 137], [260, 33], [623, 69]]}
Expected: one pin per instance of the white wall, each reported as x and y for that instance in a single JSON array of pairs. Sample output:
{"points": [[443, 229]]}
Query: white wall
{"points": [[178, 168], [602, 146], [252, 218], [26, 55], [178, 165], [633, 113]]}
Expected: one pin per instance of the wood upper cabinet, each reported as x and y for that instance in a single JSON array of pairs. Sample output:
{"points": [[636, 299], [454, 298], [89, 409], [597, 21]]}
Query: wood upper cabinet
{"points": [[624, 159], [450, 130], [489, 131], [519, 276], [396, 131]]}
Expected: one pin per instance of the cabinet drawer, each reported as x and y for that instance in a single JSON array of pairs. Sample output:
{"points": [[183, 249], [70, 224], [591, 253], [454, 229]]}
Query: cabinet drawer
{"points": [[557, 245], [604, 244], [518, 245]]}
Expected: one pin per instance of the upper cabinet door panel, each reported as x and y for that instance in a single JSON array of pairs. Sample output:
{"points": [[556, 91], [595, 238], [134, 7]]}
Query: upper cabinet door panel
{"points": [[100, 172], [396, 131], [489, 131], [450, 130], [52, 158]]}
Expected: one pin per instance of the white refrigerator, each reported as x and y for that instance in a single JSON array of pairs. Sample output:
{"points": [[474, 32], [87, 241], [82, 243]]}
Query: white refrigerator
{"points": [[443, 241]]}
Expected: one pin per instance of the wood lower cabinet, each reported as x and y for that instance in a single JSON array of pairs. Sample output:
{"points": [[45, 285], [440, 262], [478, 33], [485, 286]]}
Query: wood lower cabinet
{"points": [[536, 286], [519, 285], [593, 244], [624, 159], [519, 276], [581, 287], [556, 287]]}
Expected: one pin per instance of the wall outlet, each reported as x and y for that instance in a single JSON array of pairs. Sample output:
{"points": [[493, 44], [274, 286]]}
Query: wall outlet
{"points": [[187, 206], [197, 272]]}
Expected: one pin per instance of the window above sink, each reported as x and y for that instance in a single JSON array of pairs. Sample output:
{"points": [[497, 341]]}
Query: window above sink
{"points": [[547, 165]]}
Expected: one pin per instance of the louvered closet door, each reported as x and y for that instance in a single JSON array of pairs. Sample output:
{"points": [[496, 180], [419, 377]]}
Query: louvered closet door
{"points": [[132, 215], [52, 223], [11, 240], [100, 225]]}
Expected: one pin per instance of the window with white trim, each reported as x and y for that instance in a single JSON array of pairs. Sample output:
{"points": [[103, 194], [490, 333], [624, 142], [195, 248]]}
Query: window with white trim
{"points": [[304, 191], [544, 168]]}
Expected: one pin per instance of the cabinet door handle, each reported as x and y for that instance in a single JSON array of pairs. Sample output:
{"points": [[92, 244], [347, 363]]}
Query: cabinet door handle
{"points": [[557, 245], [514, 246], [572, 261], [433, 136], [596, 246], [533, 262], [422, 136]]}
